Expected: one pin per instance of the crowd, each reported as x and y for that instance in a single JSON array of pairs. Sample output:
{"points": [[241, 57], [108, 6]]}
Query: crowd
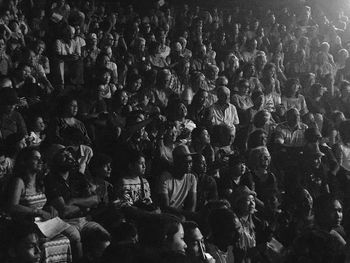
{"points": [[174, 133]]}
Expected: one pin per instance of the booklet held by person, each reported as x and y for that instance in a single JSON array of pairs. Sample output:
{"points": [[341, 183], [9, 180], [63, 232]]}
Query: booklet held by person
{"points": [[52, 227]]}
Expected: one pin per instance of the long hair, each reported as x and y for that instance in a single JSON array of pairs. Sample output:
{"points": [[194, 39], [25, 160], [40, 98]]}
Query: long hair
{"points": [[20, 169]]}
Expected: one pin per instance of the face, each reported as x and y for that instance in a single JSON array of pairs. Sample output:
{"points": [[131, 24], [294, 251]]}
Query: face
{"points": [[195, 243], [171, 134], [336, 215], [264, 160], [139, 168], [203, 98], [26, 71], [182, 110], [248, 205], [293, 118], [40, 49], [244, 88], [39, 124], [238, 170], [224, 96], [106, 78], [104, 171], [72, 108], [35, 162], [205, 137], [124, 98], [28, 250], [136, 85], [178, 243]]}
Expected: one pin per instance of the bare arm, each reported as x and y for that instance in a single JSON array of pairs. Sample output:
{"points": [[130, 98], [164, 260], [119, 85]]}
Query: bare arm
{"points": [[65, 210]]}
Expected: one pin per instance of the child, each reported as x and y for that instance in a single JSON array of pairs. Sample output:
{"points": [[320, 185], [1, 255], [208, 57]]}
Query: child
{"points": [[105, 88], [37, 135]]}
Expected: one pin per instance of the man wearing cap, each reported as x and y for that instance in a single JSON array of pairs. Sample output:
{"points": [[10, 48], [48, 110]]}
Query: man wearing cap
{"points": [[178, 188], [223, 112]]}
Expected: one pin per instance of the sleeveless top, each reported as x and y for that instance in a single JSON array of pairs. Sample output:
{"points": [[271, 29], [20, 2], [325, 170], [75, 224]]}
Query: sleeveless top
{"points": [[35, 200]]}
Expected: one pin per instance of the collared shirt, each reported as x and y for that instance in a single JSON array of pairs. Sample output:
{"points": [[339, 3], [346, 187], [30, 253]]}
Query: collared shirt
{"points": [[289, 136], [76, 186], [229, 116]]}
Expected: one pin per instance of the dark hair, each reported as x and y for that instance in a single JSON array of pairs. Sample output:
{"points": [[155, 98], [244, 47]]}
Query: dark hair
{"points": [[20, 168], [322, 207], [196, 132], [253, 138], [134, 156], [219, 219], [288, 86], [155, 231], [344, 130], [99, 160]]}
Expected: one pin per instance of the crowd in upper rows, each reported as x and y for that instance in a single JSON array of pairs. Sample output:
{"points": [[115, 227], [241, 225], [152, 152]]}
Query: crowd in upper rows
{"points": [[175, 134]]}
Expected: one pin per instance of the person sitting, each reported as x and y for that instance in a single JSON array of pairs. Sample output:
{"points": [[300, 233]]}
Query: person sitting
{"points": [[178, 187], [69, 193], [206, 185], [133, 189]]}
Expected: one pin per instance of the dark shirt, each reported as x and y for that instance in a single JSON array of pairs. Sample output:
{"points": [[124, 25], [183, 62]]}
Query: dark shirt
{"points": [[12, 123], [74, 187]]}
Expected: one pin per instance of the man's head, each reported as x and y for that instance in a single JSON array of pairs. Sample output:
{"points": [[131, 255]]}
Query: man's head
{"points": [[194, 239], [182, 159], [293, 117], [63, 161], [223, 95]]}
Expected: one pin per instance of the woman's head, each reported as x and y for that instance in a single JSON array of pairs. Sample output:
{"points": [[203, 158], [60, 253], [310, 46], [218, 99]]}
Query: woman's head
{"points": [[170, 133], [292, 87], [120, 98], [200, 135], [259, 158], [134, 82], [269, 71], [104, 76], [37, 124], [244, 201], [28, 161], [199, 164], [200, 98], [69, 106], [328, 211], [243, 87]]}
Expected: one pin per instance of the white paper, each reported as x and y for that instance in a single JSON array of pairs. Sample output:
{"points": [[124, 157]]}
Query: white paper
{"points": [[52, 227]]}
